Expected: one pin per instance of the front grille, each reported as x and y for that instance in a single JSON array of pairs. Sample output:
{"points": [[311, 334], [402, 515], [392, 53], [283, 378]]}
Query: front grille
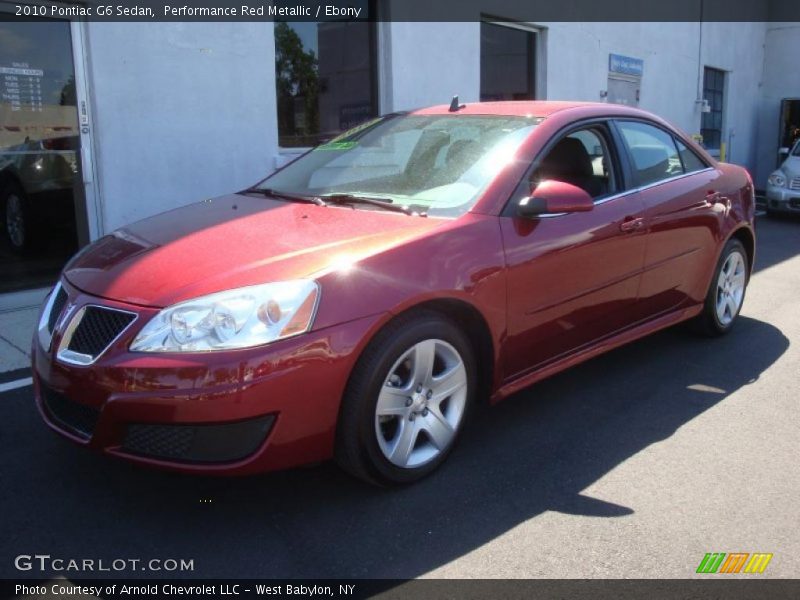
{"points": [[99, 326], [794, 184], [73, 416], [55, 310], [205, 443]]}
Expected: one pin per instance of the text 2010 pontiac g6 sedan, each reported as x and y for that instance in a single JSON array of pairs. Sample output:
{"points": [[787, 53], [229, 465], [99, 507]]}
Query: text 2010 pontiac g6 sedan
{"points": [[357, 303]]}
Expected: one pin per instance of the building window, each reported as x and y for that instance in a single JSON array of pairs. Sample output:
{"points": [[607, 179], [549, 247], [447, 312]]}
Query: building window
{"points": [[711, 125], [42, 209], [507, 63], [325, 75]]}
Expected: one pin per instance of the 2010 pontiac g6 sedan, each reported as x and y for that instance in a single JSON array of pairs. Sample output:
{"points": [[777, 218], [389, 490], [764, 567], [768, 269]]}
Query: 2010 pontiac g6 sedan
{"points": [[359, 302]]}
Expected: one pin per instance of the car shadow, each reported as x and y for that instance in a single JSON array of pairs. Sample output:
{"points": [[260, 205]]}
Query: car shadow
{"points": [[785, 228], [535, 452]]}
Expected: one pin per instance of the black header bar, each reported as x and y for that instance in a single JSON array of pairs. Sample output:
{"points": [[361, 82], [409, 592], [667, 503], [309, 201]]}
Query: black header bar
{"points": [[746, 587], [534, 11]]}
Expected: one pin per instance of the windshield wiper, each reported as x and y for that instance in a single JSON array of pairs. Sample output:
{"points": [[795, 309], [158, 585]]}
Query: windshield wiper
{"points": [[338, 198], [285, 196], [385, 203]]}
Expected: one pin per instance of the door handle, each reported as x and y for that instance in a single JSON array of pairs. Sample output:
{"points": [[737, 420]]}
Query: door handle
{"points": [[631, 224]]}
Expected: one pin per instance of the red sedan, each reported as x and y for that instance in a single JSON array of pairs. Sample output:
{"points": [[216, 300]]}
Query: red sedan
{"points": [[360, 301]]}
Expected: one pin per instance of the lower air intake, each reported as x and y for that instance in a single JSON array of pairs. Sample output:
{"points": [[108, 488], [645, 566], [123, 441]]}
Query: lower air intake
{"points": [[227, 442], [72, 416]]}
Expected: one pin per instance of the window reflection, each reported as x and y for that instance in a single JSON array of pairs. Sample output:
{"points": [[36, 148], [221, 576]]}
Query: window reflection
{"points": [[38, 152], [325, 79]]}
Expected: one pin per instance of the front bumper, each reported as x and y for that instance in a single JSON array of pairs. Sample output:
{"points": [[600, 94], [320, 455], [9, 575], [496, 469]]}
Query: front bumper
{"points": [[234, 412], [783, 199]]}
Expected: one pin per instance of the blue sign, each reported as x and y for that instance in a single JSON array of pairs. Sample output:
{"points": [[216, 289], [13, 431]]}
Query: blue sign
{"points": [[625, 64]]}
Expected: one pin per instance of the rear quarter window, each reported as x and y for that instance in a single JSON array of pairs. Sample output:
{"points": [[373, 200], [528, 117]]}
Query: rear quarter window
{"points": [[691, 162], [652, 151]]}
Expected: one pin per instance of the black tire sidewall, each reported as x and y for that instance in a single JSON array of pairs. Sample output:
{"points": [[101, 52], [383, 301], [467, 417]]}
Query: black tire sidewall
{"points": [[365, 392]]}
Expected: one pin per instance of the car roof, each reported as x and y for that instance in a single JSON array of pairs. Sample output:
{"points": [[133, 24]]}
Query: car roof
{"points": [[533, 108], [562, 112]]}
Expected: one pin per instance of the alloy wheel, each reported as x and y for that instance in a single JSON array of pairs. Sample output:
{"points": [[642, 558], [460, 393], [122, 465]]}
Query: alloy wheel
{"points": [[730, 288], [421, 404]]}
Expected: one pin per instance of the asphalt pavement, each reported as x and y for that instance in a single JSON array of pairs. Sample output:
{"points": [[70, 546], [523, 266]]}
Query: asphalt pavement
{"points": [[633, 465]]}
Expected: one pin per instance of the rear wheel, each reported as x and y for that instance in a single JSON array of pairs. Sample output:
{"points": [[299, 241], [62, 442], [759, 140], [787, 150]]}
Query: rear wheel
{"points": [[16, 218], [727, 290], [406, 401]]}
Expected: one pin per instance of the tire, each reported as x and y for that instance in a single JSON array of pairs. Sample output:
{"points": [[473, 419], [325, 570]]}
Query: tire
{"points": [[413, 428], [17, 219], [726, 291]]}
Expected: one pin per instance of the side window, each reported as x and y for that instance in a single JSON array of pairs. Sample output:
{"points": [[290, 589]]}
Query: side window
{"points": [[652, 152], [691, 162], [581, 158]]}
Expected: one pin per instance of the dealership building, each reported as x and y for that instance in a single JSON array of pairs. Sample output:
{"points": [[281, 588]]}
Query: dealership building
{"points": [[105, 123]]}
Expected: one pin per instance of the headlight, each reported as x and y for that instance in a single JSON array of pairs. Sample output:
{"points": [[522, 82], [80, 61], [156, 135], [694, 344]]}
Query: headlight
{"points": [[239, 318], [777, 179]]}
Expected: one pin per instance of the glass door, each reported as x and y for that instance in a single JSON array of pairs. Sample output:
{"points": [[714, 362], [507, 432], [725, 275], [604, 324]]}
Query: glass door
{"points": [[41, 194]]}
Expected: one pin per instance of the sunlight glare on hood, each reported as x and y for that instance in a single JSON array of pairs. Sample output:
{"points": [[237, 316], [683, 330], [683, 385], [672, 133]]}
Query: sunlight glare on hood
{"points": [[343, 263]]}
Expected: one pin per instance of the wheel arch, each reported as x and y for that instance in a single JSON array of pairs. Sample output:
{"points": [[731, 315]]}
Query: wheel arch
{"points": [[466, 316], [474, 324], [8, 176], [748, 240]]}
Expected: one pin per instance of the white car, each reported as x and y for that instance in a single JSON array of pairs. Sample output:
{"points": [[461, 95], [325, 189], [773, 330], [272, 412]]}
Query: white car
{"points": [[783, 185]]}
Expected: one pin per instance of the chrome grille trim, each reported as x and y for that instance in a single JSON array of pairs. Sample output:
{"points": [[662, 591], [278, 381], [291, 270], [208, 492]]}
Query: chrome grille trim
{"points": [[64, 354], [43, 330], [794, 184]]}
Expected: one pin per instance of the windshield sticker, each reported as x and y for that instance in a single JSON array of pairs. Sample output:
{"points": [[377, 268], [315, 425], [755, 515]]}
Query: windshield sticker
{"points": [[337, 146]]}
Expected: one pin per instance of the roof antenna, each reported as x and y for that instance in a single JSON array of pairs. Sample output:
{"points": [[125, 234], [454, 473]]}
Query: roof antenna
{"points": [[454, 105]]}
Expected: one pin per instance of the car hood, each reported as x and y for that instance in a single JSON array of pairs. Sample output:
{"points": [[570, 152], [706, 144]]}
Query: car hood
{"points": [[791, 166], [232, 241]]}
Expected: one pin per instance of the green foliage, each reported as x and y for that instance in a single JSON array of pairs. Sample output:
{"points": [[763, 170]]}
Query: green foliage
{"points": [[297, 78]]}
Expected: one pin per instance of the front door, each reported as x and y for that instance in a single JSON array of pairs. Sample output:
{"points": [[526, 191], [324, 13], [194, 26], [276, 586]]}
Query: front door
{"points": [[572, 278]]}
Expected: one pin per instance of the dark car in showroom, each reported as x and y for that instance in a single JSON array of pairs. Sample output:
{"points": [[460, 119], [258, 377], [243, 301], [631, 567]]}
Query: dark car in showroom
{"points": [[358, 303], [36, 190]]}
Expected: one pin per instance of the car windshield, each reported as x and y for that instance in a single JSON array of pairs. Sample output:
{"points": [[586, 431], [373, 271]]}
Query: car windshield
{"points": [[436, 164], [796, 151]]}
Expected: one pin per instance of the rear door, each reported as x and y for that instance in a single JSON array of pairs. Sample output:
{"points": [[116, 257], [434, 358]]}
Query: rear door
{"points": [[572, 278], [682, 204]]}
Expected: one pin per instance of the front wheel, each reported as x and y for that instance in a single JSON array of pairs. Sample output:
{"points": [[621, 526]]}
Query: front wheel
{"points": [[726, 293], [406, 401]]}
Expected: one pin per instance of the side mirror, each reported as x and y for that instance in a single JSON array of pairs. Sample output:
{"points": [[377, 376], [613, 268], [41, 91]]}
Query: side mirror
{"points": [[554, 197]]}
